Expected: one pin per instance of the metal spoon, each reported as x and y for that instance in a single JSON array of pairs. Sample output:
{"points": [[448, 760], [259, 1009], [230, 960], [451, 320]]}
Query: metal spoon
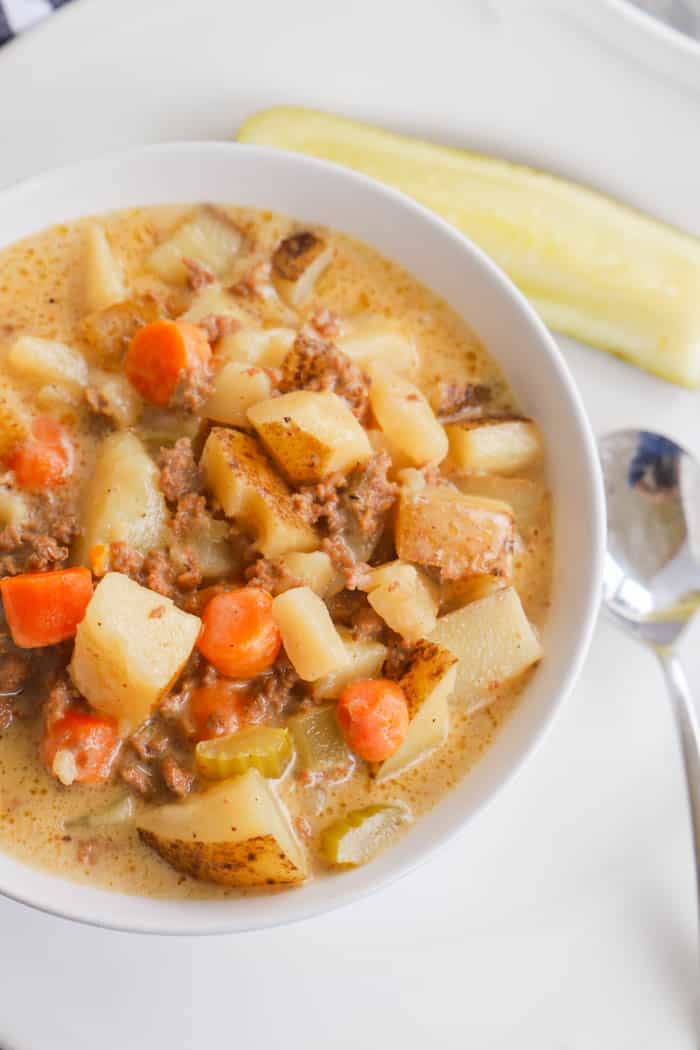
{"points": [[651, 578]]}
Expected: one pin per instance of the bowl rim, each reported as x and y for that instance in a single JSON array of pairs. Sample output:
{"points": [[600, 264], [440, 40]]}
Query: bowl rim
{"points": [[180, 916]]}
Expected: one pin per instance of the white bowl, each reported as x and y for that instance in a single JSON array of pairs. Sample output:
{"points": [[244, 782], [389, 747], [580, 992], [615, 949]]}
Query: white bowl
{"points": [[448, 263]]}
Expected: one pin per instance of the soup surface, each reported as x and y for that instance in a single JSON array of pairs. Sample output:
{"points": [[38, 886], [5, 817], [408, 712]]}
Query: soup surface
{"points": [[275, 544]]}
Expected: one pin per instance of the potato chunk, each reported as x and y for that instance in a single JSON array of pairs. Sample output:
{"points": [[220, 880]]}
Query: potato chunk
{"points": [[209, 237], [212, 300], [242, 479], [311, 434], [297, 263], [104, 281], [367, 338], [427, 685], [365, 661], [266, 347], [526, 498], [460, 535], [493, 640], [235, 834], [129, 649], [497, 445], [405, 599], [309, 636], [122, 500], [45, 361], [237, 387], [315, 570], [15, 421], [405, 416], [13, 507]]}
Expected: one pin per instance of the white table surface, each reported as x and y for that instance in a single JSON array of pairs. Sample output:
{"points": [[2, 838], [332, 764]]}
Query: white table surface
{"points": [[563, 918]]}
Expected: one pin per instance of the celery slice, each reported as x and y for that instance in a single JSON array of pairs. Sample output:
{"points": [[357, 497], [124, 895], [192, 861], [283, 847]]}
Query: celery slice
{"points": [[593, 268], [261, 747], [319, 744], [359, 835]]}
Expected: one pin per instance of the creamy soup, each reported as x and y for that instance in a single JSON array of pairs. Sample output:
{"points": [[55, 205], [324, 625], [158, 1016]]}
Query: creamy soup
{"points": [[275, 548]]}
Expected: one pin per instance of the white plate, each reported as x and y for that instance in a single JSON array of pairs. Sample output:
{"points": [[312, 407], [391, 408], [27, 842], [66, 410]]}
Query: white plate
{"points": [[565, 919]]}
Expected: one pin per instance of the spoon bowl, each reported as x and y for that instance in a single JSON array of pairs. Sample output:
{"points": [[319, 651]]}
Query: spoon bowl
{"points": [[651, 581]]}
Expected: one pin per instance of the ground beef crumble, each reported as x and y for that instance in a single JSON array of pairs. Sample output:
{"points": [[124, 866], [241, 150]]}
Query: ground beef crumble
{"points": [[314, 364], [40, 544], [271, 575], [343, 558], [179, 473], [371, 494], [177, 779], [398, 657], [457, 400], [198, 274]]}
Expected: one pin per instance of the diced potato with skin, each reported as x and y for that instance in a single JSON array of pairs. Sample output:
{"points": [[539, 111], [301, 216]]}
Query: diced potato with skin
{"points": [[235, 834], [494, 642], [15, 421], [526, 498], [237, 387], [366, 659], [497, 445], [13, 508], [405, 598], [427, 685], [104, 281], [129, 648], [118, 396], [122, 500], [309, 636], [367, 338], [44, 361], [405, 416], [315, 570], [311, 434], [266, 347], [297, 263], [213, 300], [459, 535], [209, 236], [110, 331], [242, 479]]}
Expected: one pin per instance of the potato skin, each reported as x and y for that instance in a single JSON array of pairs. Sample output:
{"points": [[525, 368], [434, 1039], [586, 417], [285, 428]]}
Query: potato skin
{"points": [[254, 862]]}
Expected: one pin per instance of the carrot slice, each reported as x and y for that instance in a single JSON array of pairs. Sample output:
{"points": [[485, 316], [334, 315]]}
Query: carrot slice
{"points": [[239, 636], [219, 709], [46, 459], [88, 744], [373, 717], [43, 608], [161, 354]]}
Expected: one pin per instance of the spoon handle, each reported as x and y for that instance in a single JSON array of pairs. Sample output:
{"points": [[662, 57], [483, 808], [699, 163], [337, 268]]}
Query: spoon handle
{"points": [[689, 731]]}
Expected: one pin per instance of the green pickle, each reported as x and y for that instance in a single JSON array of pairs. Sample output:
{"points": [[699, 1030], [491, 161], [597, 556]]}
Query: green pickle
{"points": [[260, 747], [359, 835], [318, 741]]}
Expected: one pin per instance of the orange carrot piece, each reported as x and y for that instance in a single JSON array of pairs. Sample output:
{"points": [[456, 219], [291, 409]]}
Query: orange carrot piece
{"points": [[219, 709], [46, 459], [91, 739], [373, 717], [239, 636], [43, 608], [161, 354]]}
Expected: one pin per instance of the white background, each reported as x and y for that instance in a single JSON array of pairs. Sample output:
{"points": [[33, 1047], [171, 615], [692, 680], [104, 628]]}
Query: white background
{"points": [[562, 919]]}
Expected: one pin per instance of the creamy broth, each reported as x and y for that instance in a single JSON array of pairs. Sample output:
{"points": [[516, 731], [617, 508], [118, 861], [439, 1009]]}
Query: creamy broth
{"points": [[42, 295]]}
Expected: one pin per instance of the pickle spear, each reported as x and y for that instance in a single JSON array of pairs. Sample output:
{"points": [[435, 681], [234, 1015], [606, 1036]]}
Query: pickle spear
{"points": [[594, 269], [360, 834], [261, 747]]}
